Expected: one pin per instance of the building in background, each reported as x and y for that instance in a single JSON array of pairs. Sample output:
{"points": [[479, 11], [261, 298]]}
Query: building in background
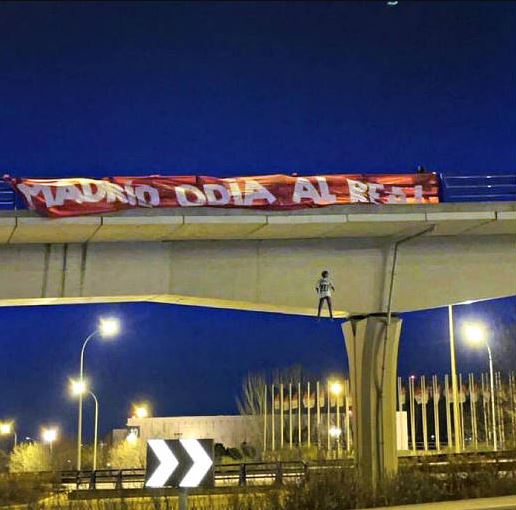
{"points": [[229, 430]]}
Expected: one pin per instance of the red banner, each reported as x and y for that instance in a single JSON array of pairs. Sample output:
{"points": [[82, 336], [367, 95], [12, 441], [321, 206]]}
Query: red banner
{"points": [[78, 196]]}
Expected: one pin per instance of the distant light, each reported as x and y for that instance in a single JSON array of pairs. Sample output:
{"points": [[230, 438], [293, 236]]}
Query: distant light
{"points": [[336, 388], [131, 438], [49, 435], [6, 428], [78, 387], [392, 3], [141, 412], [109, 327], [412, 377], [335, 432], [475, 333]]}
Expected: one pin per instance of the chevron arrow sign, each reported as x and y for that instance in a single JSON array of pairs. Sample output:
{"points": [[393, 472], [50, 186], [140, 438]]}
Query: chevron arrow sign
{"points": [[179, 463]]}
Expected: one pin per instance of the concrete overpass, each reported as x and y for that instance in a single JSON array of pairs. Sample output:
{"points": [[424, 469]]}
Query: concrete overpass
{"points": [[267, 260]]}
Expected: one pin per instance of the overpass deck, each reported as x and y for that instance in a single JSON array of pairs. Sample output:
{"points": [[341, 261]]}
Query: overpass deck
{"points": [[353, 221]]}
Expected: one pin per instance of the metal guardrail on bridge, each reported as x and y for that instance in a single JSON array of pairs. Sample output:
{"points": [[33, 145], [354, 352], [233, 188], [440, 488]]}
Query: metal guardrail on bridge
{"points": [[7, 197], [478, 188]]}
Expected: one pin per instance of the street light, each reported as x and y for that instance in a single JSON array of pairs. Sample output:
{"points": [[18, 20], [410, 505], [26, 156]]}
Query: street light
{"points": [[336, 389], [476, 335], [141, 410], [107, 327], [335, 432], [7, 428], [79, 388], [49, 435]]}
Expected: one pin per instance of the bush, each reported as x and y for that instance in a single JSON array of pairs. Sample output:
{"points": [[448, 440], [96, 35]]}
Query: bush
{"points": [[24, 488], [127, 455], [30, 457]]}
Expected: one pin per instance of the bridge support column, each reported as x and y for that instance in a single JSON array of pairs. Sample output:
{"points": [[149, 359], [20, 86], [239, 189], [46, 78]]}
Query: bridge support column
{"points": [[372, 347]]}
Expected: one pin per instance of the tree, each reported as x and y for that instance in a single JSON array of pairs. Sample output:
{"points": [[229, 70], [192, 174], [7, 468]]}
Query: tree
{"points": [[251, 401], [127, 454], [30, 457]]}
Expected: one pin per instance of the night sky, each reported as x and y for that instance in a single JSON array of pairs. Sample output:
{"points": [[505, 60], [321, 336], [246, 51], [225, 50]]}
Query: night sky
{"points": [[95, 89]]}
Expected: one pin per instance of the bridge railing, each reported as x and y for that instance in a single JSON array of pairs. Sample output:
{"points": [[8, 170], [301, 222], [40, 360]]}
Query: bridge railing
{"points": [[478, 188], [7, 197]]}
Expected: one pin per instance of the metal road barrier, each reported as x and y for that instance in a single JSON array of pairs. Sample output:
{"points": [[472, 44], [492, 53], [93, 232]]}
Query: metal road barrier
{"points": [[278, 473], [478, 188], [7, 197]]}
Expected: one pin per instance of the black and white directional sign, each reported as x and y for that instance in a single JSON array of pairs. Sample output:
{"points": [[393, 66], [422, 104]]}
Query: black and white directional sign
{"points": [[179, 463]]}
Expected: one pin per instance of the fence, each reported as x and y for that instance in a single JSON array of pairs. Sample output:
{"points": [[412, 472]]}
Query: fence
{"points": [[478, 188], [297, 416]]}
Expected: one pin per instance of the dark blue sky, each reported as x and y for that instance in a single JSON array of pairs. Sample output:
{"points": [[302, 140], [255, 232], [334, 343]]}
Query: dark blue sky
{"points": [[236, 87], [95, 89], [189, 360]]}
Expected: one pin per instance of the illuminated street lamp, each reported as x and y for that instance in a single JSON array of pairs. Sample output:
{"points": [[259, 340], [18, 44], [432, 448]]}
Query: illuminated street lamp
{"points": [[49, 435], [6, 429], [336, 389], [335, 432], [107, 327], [476, 335], [79, 388], [141, 410]]}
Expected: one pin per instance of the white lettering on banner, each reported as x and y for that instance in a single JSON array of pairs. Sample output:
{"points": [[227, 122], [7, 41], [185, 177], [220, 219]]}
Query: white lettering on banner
{"points": [[115, 192], [374, 196], [33, 191], [244, 192], [357, 191], [396, 196], [235, 192], [326, 196], [211, 191], [418, 193], [147, 196], [144, 195], [89, 196], [255, 191], [130, 194], [305, 189], [181, 191], [67, 193]]}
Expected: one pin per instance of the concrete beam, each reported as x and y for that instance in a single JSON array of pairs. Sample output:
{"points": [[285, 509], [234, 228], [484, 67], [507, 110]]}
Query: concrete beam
{"points": [[56, 230], [170, 299], [357, 220]]}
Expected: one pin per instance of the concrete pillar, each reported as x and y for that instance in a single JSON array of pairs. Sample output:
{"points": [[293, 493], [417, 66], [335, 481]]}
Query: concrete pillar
{"points": [[373, 358]]}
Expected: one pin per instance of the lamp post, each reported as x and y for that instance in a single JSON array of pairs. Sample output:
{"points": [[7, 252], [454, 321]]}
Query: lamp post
{"points": [[49, 435], [79, 388], [454, 381], [336, 389], [7, 428], [476, 335], [106, 328]]}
